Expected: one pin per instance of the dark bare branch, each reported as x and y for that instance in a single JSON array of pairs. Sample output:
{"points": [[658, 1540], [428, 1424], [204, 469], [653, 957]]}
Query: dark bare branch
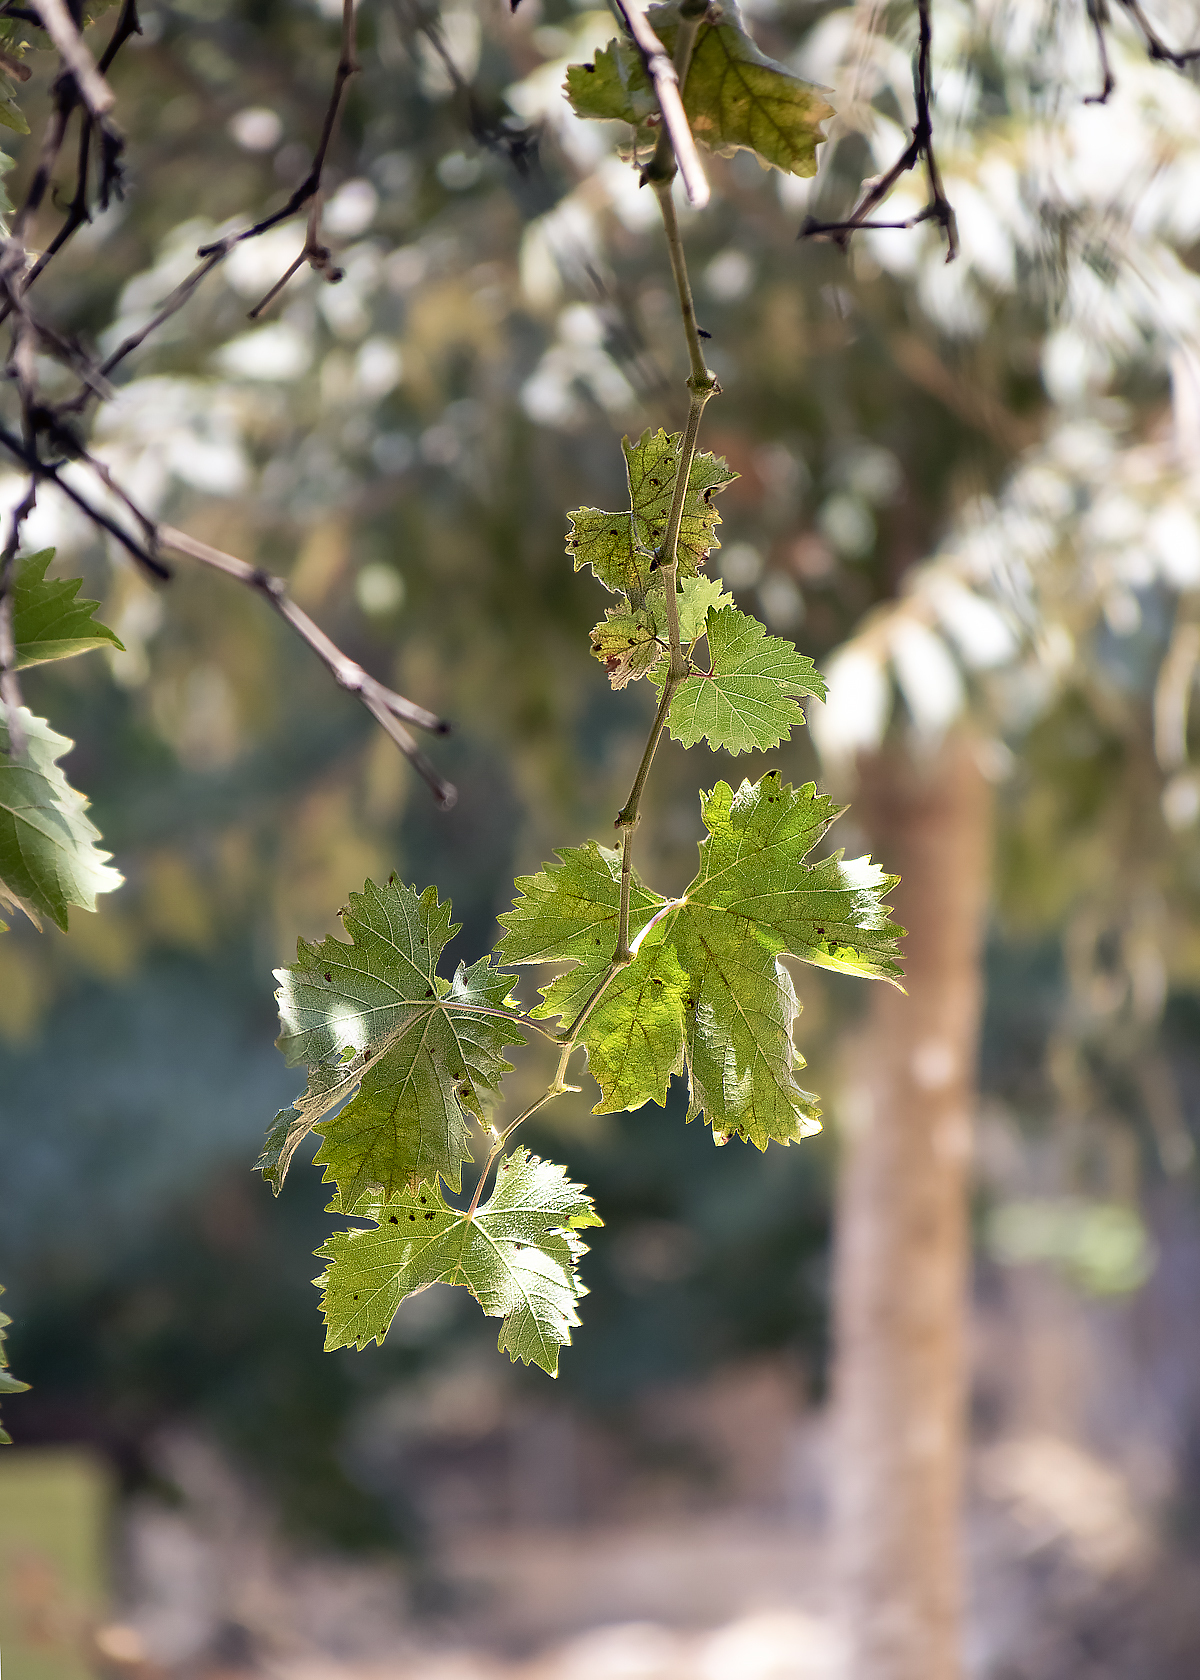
{"points": [[920, 148], [58, 23], [50, 470], [10, 688], [314, 252]]}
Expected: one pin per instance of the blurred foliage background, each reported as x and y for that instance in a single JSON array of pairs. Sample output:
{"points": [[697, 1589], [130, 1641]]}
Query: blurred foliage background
{"points": [[404, 447]]}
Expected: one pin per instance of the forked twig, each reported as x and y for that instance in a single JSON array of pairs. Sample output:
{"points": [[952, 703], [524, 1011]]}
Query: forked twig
{"points": [[389, 709], [61, 28], [315, 252], [920, 147], [1157, 49]]}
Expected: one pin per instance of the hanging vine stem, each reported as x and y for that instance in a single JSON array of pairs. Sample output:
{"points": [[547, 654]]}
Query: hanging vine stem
{"points": [[702, 385]]}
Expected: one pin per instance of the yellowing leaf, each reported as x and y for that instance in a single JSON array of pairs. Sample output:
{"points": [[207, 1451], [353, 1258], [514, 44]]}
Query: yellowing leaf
{"points": [[619, 547], [735, 96], [626, 644]]}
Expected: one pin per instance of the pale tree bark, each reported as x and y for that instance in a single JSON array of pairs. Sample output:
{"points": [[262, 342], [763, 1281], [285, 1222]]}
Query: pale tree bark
{"points": [[901, 1253]]}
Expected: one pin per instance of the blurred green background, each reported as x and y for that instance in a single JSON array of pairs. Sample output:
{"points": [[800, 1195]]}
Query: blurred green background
{"points": [[404, 447]]}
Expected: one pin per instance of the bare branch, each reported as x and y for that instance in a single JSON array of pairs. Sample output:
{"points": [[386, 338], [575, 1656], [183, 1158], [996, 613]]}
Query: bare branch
{"points": [[128, 24], [47, 470], [1155, 45], [938, 208], [1157, 49], [10, 690], [519, 146], [391, 710], [663, 74], [1097, 11], [60, 26], [315, 253]]}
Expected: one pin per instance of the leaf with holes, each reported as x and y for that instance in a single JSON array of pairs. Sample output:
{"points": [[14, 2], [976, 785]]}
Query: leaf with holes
{"points": [[378, 1025], [735, 96], [626, 644], [49, 860], [748, 699], [619, 547], [49, 621], [518, 1254]]}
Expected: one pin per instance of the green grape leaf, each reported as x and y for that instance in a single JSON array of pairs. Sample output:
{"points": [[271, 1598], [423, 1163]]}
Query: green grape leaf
{"points": [[706, 992], [626, 644], [517, 1254], [748, 698], [49, 622], [49, 860], [569, 914], [630, 643], [619, 547], [696, 596], [413, 1052], [735, 96], [8, 1383], [11, 117]]}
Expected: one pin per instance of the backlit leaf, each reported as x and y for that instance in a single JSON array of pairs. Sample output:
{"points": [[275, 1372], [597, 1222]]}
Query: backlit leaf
{"points": [[706, 992], [518, 1255], [619, 547], [49, 860], [378, 1025], [749, 698], [735, 96], [49, 621], [8, 1383]]}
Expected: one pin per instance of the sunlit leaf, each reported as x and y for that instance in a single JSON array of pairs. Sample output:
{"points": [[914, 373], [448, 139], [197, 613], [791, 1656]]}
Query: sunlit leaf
{"points": [[748, 699], [706, 993], [518, 1255], [735, 96], [376, 1024], [8, 1383], [49, 860], [619, 547]]}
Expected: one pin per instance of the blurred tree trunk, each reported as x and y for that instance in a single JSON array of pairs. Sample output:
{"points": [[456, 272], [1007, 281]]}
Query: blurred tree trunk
{"points": [[901, 1257]]}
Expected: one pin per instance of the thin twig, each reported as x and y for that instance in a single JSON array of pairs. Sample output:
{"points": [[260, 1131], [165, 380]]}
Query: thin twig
{"points": [[60, 26], [10, 688], [938, 207], [315, 253], [1156, 47], [128, 24], [519, 146], [48, 470], [662, 72], [391, 710], [174, 303], [1097, 11]]}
